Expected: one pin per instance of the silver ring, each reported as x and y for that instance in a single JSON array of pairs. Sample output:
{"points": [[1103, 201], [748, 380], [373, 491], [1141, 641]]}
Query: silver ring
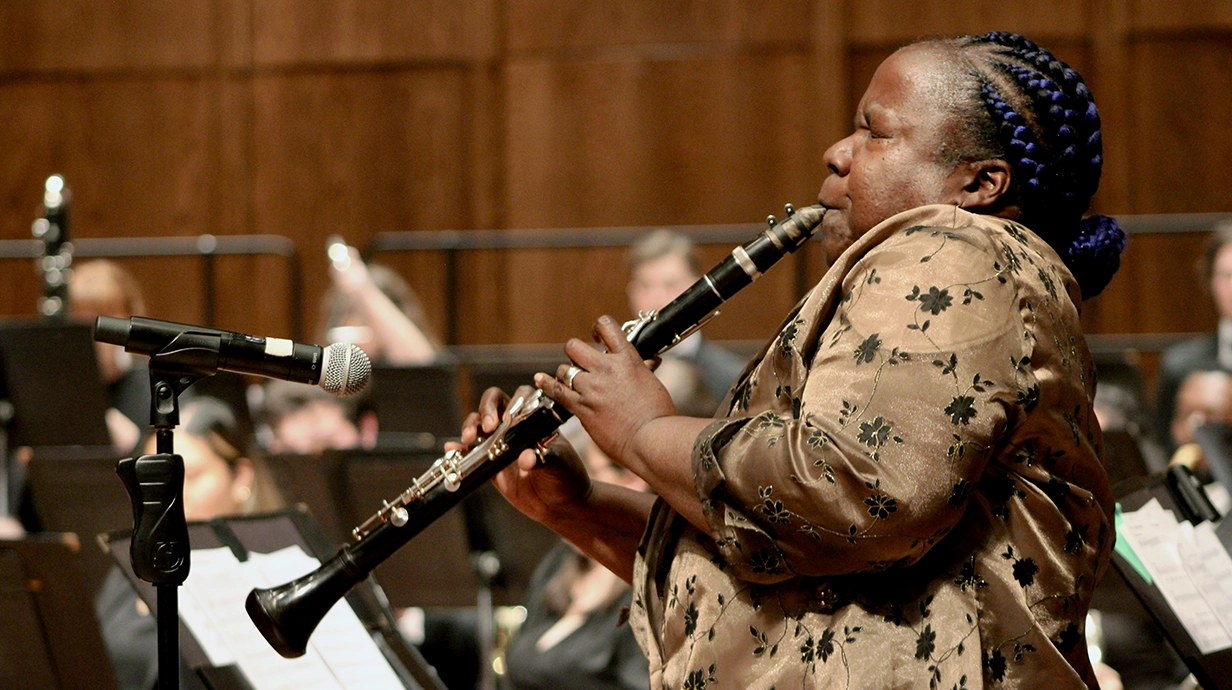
{"points": [[570, 374]]}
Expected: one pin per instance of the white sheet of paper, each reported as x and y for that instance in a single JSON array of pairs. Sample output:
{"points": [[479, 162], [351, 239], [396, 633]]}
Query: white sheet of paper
{"points": [[1155, 536], [220, 592], [341, 640], [341, 654]]}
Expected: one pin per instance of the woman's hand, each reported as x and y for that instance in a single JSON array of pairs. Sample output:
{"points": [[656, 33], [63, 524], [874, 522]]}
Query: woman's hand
{"points": [[613, 393], [542, 489]]}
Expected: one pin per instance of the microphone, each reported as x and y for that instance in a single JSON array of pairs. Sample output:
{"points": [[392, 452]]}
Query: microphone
{"points": [[341, 369]]}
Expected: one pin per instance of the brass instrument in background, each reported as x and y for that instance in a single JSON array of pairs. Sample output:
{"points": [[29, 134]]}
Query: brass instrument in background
{"points": [[287, 615]]}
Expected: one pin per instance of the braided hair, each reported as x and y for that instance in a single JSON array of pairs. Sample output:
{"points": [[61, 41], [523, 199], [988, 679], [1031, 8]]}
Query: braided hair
{"points": [[1036, 113]]}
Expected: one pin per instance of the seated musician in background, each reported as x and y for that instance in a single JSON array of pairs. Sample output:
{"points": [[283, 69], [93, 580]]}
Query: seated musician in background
{"points": [[306, 420], [373, 307], [222, 477], [103, 288], [905, 490], [572, 636], [1208, 352], [1204, 398], [661, 266]]}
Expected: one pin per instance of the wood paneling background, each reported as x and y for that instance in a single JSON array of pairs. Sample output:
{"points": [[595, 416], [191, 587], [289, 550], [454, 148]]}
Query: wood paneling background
{"points": [[307, 118]]}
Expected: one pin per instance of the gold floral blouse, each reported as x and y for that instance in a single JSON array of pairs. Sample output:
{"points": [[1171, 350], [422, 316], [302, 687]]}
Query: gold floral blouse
{"points": [[907, 491]]}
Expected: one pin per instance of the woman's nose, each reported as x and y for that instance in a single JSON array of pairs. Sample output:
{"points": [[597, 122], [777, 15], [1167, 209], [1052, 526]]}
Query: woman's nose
{"points": [[838, 157]]}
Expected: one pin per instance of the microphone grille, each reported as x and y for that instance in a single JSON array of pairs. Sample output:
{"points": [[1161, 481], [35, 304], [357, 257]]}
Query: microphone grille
{"points": [[345, 369]]}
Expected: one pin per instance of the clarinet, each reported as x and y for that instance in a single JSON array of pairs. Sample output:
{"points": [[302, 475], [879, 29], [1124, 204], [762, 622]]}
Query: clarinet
{"points": [[286, 615], [55, 263]]}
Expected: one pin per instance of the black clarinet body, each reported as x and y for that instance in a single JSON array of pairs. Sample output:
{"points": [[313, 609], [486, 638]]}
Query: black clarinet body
{"points": [[286, 615]]}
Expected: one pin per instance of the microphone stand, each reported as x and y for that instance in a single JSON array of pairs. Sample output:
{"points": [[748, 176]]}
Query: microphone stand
{"points": [[159, 548]]}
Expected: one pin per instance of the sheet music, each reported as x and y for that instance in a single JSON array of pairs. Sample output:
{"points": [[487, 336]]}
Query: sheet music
{"points": [[1164, 546], [341, 654]]}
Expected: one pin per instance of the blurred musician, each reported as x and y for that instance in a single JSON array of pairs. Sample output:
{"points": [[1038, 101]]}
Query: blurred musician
{"points": [[222, 477], [373, 307], [103, 288]]}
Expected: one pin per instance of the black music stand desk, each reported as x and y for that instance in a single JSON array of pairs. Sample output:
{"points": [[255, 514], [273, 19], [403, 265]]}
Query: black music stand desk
{"points": [[49, 639], [267, 534]]}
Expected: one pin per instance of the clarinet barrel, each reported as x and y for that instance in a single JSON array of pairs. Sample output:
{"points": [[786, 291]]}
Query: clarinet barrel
{"points": [[286, 615]]}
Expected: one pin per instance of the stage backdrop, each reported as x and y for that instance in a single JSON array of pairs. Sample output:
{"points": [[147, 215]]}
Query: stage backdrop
{"points": [[306, 118]]}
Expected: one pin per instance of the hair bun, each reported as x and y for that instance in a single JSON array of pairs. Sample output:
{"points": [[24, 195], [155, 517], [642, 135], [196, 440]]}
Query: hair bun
{"points": [[1095, 254]]}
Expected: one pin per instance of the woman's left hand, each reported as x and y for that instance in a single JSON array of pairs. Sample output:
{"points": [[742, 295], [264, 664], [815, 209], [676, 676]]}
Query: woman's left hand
{"points": [[613, 393]]}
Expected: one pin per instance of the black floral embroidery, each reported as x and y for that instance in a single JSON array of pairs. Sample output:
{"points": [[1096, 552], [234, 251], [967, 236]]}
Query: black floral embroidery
{"points": [[936, 301], [880, 506], [766, 562], [825, 645], [947, 367], [868, 349], [787, 337], [690, 619], [969, 577], [1068, 639], [1025, 570], [772, 508], [1029, 398], [1048, 284], [1000, 489], [698, 679], [875, 433], [995, 663], [1075, 540], [959, 493], [1016, 232], [961, 409], [925, 643]]}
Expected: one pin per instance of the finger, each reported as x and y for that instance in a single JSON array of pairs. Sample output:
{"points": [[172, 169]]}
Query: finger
{"points": [[527, 460], [491, 405], [608, 332], [557, 390], [653, 363], [582, 354], [470, 428]]}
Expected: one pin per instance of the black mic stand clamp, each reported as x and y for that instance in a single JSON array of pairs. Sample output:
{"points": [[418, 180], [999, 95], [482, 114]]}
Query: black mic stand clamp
{"points": [[159, 548]]}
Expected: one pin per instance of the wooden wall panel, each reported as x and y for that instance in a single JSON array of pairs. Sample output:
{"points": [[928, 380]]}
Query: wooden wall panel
{"points": [[143, 157], [354, 154], [295, 32], [670, 142], [58, 35], [1201, 15], [305, 118], [896, 22], [1181, 150], [1157, 290], [537, 25]]}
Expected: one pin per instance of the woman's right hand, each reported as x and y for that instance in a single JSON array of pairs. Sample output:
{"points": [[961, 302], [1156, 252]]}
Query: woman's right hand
{"points": [[542, 489]]}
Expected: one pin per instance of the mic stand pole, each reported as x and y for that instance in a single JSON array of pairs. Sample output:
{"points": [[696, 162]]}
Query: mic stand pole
{"points": [[487, 566], [8, 488], [155, 484]]}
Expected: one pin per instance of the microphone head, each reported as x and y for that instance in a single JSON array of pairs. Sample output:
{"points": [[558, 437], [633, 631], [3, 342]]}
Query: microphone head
{"points": [[345, 369]]}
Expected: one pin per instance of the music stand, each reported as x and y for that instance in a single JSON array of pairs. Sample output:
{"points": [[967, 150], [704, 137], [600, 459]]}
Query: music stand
{"points": [[509, 368], [1213, 671], [76, 490], [265, 534], [416, 407], [51, 377], [49, 373], [50, 639]]}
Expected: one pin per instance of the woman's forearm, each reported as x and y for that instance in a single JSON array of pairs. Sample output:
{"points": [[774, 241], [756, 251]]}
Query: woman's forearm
{"points": [[607, 525]]}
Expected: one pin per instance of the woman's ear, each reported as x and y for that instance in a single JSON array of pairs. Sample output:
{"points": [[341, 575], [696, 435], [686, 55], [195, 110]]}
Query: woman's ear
{"points": [[982, 186]]}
